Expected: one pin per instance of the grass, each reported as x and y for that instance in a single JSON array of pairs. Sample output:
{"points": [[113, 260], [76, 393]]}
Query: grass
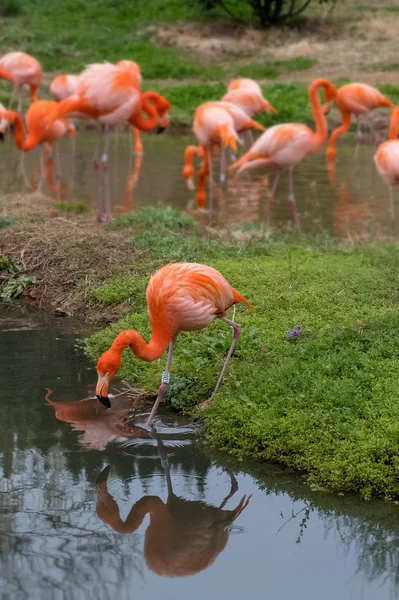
{"points": [[6, 221], [382, 66], [327, 402]]}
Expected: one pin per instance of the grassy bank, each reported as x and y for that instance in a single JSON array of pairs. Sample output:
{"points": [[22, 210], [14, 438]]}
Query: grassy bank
{"points": [[325, 402]]}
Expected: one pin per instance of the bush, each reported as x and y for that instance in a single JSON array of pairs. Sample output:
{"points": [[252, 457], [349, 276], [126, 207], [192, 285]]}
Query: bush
{"points": [[10, 8], [266, 12]]}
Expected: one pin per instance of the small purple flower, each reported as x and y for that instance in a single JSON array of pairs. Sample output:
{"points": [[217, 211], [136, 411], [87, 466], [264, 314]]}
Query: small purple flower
{"points": [[299, 327], [295, 333]]}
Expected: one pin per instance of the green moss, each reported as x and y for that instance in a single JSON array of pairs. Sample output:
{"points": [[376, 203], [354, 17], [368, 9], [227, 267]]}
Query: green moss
{"points": [[326, 403]]}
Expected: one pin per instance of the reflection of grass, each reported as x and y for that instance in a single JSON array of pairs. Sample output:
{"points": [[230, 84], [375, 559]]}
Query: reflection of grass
{"points": [[327, 402]]}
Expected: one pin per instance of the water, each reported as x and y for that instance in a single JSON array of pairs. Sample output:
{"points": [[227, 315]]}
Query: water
{"points": [[353, 203], [93, 506]]}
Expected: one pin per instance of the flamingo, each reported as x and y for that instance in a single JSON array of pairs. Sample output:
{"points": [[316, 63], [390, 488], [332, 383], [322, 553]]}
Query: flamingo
{"points": [[183, 537], [247, 95], [98, 425], [284, 146], [37, 130], [215, 124], [386, 159], [180, 297], [356, 98], [112, 95], [22, 69], [64, 86]]}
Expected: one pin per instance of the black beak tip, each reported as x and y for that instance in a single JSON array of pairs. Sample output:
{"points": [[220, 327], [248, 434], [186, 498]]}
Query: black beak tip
{"points": [[104, 401], [160, 129], [1, 136]]}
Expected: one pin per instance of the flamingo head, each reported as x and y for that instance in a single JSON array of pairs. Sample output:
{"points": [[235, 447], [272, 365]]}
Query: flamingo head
{"points": [[107, 367], [163, 107]]}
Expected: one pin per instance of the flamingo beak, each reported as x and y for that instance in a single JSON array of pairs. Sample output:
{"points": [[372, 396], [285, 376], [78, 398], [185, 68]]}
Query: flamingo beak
{"points": [[102, 390]]}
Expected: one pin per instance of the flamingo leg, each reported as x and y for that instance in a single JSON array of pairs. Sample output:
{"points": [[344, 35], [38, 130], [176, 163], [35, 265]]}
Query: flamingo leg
{"points": [[236, 334], [291, 197], [14, 89], [233, 490], [222, 164], [42, 169], [164, 383], [19, 109], [391, 203], [250, 138], [211, 180], [95, 161], [106, 177], [138, 146], [274, 187]]}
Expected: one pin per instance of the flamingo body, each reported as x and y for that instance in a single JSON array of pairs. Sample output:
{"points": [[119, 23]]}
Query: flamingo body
{"points": [[25, 69], [180, 297], [285, 145], [360, 98], [249, 100], [386, 160], [353, 98], [64, 86], [244, 83]]}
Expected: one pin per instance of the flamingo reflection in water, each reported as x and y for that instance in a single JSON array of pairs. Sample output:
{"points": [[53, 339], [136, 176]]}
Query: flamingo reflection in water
{"points": [[353, 219], [98, 424], [131, 183], [183, 537]]}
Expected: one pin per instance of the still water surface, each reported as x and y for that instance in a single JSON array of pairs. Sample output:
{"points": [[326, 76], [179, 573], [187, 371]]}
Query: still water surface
{"points": [[353, 203], [92, 506]]}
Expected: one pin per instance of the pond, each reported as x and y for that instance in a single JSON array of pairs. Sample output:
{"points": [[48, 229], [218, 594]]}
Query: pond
{"points": [[352, 202], [92, 505]]}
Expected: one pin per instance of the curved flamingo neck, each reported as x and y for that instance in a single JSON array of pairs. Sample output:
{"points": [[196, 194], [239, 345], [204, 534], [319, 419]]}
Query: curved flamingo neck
{"points": [[151, 351], [394, 125], [150, 110], [321, 132], [19, 132], [4, 74]]}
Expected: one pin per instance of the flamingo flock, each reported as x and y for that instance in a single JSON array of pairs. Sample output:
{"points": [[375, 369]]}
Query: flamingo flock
{"points": [[186, 296]]}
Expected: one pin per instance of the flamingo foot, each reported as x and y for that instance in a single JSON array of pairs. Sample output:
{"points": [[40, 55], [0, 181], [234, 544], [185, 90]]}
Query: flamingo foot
{"points": [[190, 184], [104, 218]]}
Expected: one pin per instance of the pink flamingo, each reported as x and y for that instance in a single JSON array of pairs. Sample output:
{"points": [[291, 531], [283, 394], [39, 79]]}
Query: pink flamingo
{"points": [[247, 95], [37, 130], [22, 69], [216, 124], [386, 159], [356, 98], [112, 95], [284, 146], [180, 297]]}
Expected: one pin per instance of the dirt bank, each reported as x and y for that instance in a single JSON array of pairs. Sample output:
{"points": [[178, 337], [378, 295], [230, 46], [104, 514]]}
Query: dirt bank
{"points": [[68, 254]]}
